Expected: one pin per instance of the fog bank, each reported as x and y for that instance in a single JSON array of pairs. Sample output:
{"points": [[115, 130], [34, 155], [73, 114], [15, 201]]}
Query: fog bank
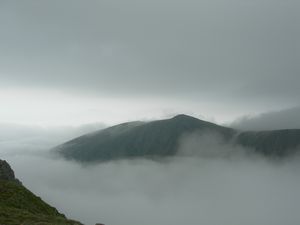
{"points": [[274, 120], [210, 189], [16, 139]]}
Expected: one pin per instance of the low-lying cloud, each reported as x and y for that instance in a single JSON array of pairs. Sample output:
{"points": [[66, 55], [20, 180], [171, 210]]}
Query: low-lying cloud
{"points": [[210, 145], [21, 139], [193, 189], [283, 119]]}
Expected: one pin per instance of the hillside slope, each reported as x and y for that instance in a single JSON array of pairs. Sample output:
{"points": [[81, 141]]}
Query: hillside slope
{"points": [[161, 138], [279, 143], [20, 206], [137, 139]]}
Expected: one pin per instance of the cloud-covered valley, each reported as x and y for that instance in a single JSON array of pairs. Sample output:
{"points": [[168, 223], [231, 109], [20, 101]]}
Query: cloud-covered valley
{"points": [[192, 189]]}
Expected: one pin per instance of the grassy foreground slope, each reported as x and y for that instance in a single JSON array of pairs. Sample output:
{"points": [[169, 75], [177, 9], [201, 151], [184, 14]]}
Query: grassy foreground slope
{"points": [[20, 206]]}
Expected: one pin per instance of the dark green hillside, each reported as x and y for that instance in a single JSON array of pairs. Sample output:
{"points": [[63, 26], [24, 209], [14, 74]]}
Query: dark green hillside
{"points": [[271, 143], [160, 138], [20, 206], [137, 139]]}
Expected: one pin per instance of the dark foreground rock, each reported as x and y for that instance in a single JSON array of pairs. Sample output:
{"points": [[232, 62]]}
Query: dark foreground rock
{"points": [[6, 173]]}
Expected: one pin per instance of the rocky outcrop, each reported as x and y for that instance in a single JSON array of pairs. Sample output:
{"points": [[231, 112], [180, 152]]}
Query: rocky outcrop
{"points": [[6, 172]]}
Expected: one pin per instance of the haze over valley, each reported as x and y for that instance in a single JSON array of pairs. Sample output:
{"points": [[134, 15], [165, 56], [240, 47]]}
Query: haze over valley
{"points": [[206, 174], [149, 112]]}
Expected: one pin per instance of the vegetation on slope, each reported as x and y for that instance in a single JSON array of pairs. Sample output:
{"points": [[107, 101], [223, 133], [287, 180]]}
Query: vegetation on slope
{"points": [[161, 138], [130, 140], [20, 206]]}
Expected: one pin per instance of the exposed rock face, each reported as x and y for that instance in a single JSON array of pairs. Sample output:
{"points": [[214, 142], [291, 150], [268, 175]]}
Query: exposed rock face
{"points": [[6, 173]]}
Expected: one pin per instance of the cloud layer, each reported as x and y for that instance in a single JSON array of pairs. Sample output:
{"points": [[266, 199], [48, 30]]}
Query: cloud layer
{"points": [[188, 190], [284, 119], [21, 139], [192, 189], [232, 52]]}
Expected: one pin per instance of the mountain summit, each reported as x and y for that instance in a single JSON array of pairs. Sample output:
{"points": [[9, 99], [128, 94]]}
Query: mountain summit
{"points": [[161, 138]]}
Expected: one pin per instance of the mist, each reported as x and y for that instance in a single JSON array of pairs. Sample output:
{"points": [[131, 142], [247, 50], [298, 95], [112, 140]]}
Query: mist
{"points": [[16, 139], [67, 63], [209, 183], [284, 119]]}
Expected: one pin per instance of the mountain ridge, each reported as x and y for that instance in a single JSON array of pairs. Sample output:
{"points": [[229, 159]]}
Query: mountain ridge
{"points": [[161, 138]]}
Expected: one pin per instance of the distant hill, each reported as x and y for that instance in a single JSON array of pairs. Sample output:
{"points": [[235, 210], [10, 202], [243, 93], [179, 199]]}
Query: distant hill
{"points": [[161, 138], [278, 143], [136, 139], [20, 206]]}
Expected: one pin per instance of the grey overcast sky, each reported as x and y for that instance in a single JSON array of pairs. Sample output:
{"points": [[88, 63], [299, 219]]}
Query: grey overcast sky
{"points": [[70, 62]]}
